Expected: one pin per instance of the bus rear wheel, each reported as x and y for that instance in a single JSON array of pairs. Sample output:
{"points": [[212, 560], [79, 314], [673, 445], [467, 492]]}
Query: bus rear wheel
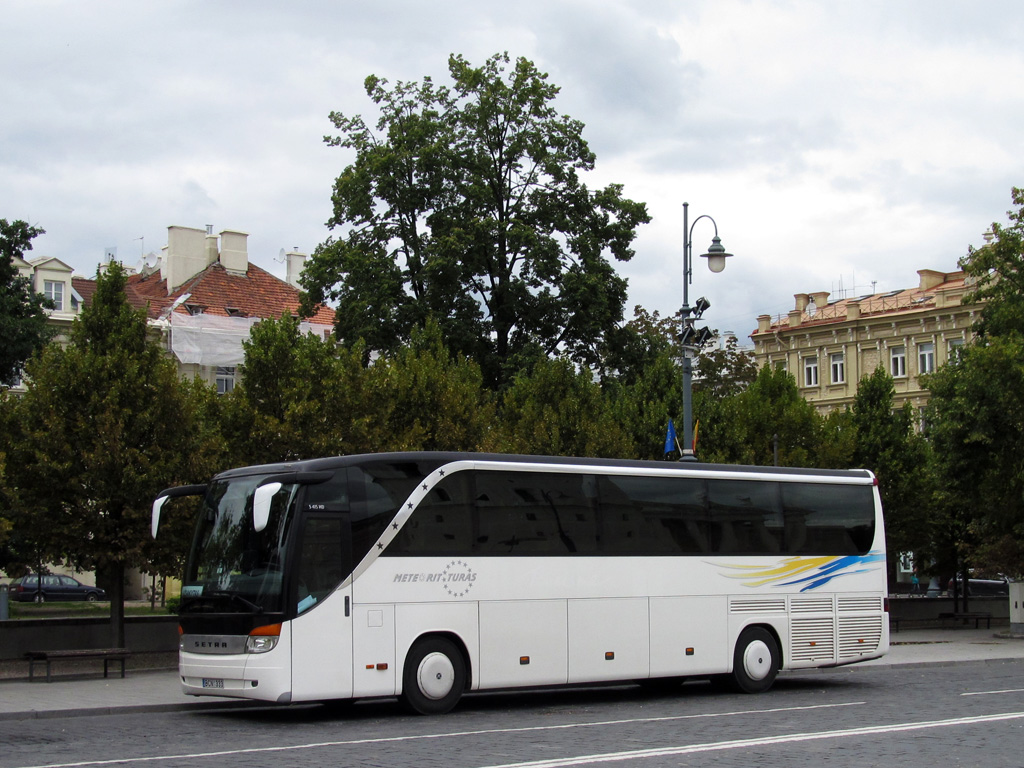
{"points": [[434, 676], [756, 661]]}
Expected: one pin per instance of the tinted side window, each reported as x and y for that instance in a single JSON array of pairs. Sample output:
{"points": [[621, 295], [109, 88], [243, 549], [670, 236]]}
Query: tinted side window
{"points": [[376, 491], [321, 559], [442, 523], [829, 519], [534, 513], [653, 516], [746, 517]]}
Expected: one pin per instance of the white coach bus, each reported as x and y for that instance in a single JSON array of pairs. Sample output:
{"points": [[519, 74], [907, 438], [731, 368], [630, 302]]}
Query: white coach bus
{"points": [[426, 575]]}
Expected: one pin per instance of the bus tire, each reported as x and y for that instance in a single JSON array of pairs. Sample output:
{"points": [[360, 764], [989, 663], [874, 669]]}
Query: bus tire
{"points": [[434, 676], [756, 661]]}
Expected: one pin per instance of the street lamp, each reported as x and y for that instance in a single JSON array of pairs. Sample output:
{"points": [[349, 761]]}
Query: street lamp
{"points": [[691, 339]]}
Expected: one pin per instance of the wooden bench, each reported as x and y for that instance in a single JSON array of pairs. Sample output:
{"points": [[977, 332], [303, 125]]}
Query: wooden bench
{"points": [[107, 654], [977, 616]]}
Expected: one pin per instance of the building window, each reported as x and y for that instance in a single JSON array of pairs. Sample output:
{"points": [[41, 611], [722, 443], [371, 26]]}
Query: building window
{"points": [[838, 362], [925, 357], [956, 348], [898, 359], [54, 291], [225, 379], [810, 371]]}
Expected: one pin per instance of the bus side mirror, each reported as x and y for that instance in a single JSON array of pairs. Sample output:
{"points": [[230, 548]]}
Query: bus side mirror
{"points": [[261, 505], [157, 506], [172, 493]]}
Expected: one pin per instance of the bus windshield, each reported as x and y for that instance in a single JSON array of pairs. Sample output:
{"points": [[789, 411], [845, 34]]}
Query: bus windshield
{"points": [[232, 568]]}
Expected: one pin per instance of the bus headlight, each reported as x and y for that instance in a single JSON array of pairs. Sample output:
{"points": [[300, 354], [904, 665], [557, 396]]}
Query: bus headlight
{"points": [[263, 639], [260, 644]]}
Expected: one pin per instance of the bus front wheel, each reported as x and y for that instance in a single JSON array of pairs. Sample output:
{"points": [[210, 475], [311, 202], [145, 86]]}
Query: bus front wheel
{"points": [[756, 661], [434, 676]]}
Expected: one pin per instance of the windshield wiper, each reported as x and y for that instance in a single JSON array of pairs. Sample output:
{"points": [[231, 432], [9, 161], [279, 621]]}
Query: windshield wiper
{"points": [[237, 598]]}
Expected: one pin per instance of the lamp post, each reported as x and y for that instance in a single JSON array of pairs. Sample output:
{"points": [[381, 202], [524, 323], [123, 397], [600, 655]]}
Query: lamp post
{"points": [[690, 338]]}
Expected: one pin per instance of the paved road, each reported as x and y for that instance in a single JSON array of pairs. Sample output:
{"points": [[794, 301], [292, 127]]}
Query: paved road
{"points": [[911, 716]]}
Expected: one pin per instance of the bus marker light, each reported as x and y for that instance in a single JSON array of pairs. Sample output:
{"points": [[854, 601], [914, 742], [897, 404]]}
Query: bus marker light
{"points": [[382, 667], [689, 651], [609, 656], [369, 666], [524, 660]]}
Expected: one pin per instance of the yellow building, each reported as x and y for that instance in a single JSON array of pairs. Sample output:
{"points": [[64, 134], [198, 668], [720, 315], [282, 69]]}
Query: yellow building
{"points": [[828, 346]]}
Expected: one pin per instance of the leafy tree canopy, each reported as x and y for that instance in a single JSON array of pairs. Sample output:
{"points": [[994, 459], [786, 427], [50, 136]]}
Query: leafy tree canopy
{"points": [[303, 397], [465, 204], [998, 271], [976, 424], [22, 310], [105, 425], [888, 444]]}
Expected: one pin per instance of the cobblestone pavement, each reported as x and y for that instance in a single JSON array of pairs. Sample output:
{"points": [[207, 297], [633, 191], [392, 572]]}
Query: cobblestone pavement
{"points": [[152, 684]]}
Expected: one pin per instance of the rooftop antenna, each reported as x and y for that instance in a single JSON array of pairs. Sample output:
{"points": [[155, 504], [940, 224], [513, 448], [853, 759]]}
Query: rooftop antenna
{"points": [[142, 246]]}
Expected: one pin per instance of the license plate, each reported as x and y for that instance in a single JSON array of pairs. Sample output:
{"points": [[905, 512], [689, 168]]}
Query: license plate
{"points": [[213, 682]]}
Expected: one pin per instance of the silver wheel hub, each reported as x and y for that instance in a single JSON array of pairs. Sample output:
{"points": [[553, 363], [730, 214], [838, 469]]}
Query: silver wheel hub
{"points": [[757, 660], [435, 676]]}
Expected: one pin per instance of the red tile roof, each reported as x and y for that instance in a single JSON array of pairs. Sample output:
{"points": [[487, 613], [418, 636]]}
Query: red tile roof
{"points": [[894, 302], [257, 293]]}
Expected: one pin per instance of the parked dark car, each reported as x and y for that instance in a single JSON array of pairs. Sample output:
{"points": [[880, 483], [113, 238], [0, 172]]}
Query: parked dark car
{"points": [[981, 587], [54, 588]]}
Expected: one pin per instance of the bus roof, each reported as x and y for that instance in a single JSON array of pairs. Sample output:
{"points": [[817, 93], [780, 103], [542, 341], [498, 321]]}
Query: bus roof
{"points": [[430, 460]]}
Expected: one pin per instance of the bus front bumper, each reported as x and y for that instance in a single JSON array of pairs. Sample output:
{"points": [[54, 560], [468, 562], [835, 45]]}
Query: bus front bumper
{"points": [[243, 676]]}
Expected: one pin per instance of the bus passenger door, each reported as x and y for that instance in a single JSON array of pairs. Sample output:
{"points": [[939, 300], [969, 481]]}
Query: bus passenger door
{"points": [[322, 632]]}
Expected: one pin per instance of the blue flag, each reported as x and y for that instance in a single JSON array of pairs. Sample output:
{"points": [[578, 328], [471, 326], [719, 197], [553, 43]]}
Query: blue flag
{"points": [[670, 437]]}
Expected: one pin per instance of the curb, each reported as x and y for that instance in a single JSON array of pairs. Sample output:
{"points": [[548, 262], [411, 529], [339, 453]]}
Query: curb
{"points": [[135, 709]]}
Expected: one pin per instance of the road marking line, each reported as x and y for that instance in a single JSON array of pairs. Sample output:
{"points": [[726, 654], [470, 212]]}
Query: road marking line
{"points": [[420, 737], [758, 742], [989, 693]]}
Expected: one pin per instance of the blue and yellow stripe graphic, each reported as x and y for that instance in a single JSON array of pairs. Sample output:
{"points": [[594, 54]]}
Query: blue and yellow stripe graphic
{"points": [[810, 572]]}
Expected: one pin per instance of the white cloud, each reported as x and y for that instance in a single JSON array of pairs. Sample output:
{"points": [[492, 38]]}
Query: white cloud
{"points": [[832, 143]]}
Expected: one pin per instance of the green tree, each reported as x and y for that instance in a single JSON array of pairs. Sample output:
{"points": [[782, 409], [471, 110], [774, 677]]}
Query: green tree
{"points": [[22, 311], [466, 205], [976, 420], [559, 411], [300, 397], [723, 371], [746, 428], [976, 425], [303, 397], [427, 399], [997, 269], [888, 444], [104, 426]]}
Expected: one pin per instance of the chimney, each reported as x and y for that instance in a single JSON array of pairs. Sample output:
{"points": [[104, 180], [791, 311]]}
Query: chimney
{"points": [[930, 278], [296, 261], [820, 299], [764, 323], [184, 257], [853, 309], [802, 300], [795, 316], [234, 253]]}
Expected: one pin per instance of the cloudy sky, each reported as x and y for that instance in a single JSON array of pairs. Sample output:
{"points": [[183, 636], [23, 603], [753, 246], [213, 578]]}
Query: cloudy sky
{"points": [[836, 145]]}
